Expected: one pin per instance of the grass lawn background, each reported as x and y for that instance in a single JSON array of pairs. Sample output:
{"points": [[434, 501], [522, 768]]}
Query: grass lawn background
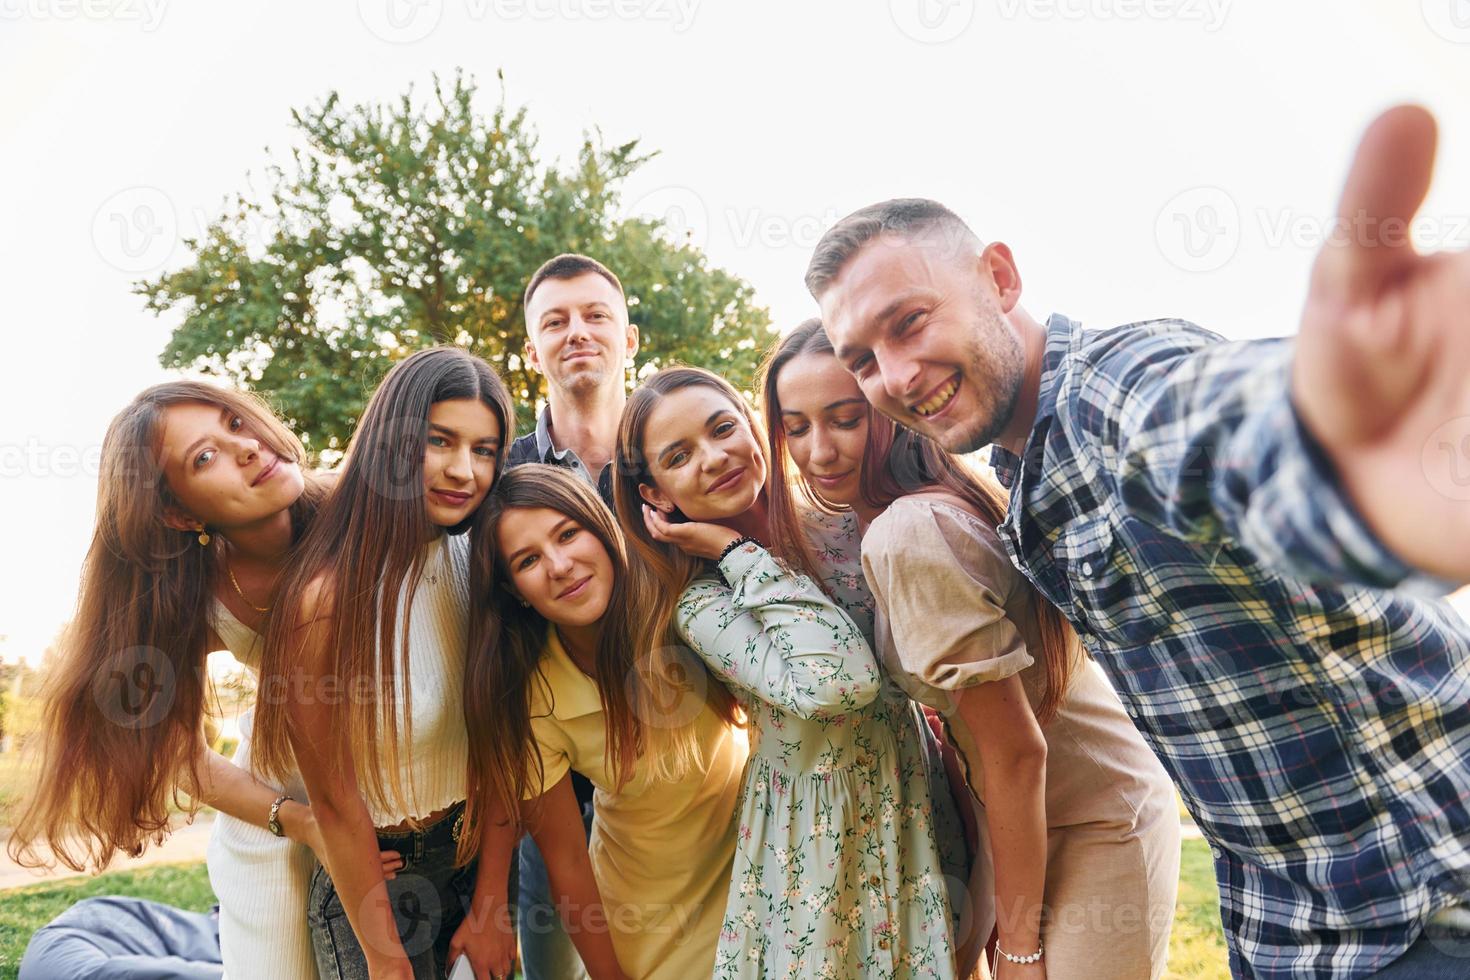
{"points": [[1197, 947]]}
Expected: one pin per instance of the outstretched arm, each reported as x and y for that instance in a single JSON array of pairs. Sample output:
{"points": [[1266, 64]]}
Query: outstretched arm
{"points": [[1382, 371]]}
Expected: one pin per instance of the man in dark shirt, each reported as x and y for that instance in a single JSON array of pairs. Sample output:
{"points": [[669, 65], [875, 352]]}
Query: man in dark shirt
{"points": [[579, 337]]}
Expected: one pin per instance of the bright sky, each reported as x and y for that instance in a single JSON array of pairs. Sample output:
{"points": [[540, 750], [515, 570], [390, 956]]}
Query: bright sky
{"points": [[1142, 158]]}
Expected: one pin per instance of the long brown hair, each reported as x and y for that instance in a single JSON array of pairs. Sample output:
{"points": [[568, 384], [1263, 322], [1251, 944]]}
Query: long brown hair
{"points": [[365, 546], [507, 640], [124, 706], [896, 462], [671, 568]]}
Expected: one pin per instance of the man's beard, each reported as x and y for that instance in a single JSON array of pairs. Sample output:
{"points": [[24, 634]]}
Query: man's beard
{"points": [[995, 356]]}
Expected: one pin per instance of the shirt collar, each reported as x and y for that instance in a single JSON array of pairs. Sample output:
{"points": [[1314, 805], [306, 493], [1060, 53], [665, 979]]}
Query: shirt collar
{"points": [[569, 693], [544, 446], [1061, 334]]}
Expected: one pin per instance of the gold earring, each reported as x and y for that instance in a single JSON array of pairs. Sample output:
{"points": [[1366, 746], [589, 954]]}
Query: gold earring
{"points": [[203, 537]]}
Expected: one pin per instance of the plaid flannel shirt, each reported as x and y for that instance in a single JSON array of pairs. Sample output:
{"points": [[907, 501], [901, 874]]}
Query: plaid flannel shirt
{"points": [[1171, 505]]}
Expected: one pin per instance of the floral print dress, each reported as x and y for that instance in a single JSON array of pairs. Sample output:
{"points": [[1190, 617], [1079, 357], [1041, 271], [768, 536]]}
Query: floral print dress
{"points": [[837, 873]]}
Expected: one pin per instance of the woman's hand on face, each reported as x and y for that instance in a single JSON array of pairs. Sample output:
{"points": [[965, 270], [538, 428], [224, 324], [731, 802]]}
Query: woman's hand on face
{"points": [[692, 538]]}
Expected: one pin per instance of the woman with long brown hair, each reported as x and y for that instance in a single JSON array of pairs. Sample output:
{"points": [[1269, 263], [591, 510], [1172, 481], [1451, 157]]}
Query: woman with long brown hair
{"points": [[200, 499], [837, 871], [1080, 817], [566, 673], [363, 665]]}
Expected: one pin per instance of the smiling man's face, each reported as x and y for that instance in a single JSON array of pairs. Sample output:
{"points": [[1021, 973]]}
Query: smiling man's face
{"points": [[579, 335], [919, 324]]}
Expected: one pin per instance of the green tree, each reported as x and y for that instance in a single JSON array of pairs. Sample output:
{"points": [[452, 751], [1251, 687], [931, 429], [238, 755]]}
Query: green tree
{"points": [[394, 227]]}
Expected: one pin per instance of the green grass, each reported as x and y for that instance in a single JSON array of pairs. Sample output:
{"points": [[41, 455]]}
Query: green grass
{"points": [[1196, 950], [1197, 944]]}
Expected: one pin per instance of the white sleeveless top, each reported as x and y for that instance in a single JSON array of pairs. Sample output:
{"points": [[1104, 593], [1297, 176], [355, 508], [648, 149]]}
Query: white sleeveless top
{"points": [[432, 765]]}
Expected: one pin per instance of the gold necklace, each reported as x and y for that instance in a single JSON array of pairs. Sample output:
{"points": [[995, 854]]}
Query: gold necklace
{"points": [[231, 572]]}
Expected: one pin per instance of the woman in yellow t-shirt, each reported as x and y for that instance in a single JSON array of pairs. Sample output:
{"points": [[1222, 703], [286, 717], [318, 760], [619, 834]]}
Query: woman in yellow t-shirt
{"points": [[564, 673]]}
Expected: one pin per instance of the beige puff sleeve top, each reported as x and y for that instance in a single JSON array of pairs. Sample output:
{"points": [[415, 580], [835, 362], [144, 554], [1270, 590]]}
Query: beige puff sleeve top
{"points": [[943, 592], [953, 612]]}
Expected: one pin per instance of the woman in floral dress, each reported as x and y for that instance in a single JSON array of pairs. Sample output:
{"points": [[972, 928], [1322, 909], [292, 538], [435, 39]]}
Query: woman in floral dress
{"points": [[837, 872]]}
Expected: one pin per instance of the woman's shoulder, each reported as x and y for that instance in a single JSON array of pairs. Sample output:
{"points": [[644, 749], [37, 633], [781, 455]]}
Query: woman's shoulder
{"points": [[944, 526]]}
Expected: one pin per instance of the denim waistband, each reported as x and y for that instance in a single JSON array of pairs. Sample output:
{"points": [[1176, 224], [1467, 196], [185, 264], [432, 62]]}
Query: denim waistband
{"points": [[444, 828]]}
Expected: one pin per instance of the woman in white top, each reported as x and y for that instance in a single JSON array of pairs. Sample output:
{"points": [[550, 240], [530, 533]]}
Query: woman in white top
{"points": [[363, 671], [201, 497]]}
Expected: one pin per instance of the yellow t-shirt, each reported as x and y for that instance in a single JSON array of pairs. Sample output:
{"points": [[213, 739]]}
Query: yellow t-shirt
{"points": [[662, 851]]}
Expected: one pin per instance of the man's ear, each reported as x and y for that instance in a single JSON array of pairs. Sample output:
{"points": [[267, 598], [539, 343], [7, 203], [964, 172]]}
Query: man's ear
{"points": [[634, 341], [999, 266], [531, 356], [656, 497], [179, 520]]}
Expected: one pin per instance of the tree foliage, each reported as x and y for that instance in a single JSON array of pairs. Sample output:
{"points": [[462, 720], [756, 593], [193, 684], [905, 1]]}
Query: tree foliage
{"points": [[394, 227]]}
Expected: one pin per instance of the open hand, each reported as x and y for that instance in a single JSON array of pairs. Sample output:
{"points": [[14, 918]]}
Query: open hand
{"points": [[1381, 375], [692, 538]]}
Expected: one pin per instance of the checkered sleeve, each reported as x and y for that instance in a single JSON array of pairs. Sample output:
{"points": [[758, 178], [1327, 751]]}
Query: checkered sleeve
{"points": [[1199, 437]]}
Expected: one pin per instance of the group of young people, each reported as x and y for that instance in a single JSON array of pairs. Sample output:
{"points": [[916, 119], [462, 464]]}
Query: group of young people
{"points": [[671, 688]]}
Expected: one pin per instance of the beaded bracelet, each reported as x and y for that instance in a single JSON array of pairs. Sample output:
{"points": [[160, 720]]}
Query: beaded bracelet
{"points": [[1033, 958]]}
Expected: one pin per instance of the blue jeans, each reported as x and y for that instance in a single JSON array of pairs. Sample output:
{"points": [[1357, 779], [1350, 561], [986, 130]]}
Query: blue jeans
{"points": [[547, 952], [429, 896], [1440, 954]]}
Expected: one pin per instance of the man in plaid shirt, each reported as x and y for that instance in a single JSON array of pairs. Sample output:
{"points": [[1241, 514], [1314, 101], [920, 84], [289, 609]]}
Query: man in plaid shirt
{"points": [[1222, 522]]}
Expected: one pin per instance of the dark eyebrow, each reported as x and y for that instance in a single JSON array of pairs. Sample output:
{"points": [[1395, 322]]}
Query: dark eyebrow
{"points": [[829, 406], [224, 416], [556, 529], [488, 440]]}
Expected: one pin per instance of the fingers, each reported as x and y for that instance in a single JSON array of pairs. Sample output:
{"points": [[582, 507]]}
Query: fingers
{"points": [[1385, 187], [392, 863]]}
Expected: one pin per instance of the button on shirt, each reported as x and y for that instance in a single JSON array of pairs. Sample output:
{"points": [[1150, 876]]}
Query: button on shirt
{"points": [[537, 447], [1169, 502]]}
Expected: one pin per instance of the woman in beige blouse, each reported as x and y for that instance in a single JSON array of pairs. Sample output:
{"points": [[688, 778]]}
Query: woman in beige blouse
{"points": [[1081, 821]]}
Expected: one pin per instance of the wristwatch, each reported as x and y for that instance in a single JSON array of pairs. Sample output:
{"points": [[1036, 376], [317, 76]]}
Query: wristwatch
{"points": [[274, 824]]}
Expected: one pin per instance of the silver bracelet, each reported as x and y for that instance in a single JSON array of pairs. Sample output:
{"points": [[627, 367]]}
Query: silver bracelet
{"points": [[1033, 958]]}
